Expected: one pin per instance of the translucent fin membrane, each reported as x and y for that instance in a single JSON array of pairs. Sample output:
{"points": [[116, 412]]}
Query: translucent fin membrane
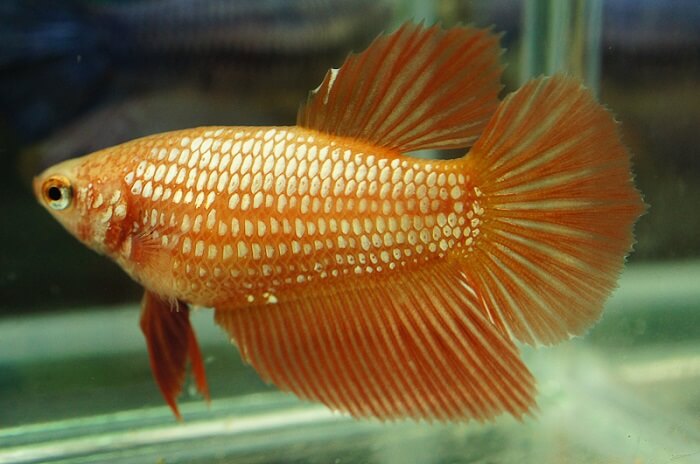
{"points": [[416, 88], [412, 344], [171, 342], [559, 209]]}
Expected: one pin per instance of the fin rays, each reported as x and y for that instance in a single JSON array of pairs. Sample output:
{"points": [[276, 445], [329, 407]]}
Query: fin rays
{"points": [[560, 206], [409, 345], [416, 88], [171, 342]]}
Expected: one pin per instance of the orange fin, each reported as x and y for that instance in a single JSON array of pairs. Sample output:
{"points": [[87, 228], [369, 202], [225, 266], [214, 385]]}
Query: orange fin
{"points": [[171, 341], [413, 344], [417, 88], [558, 205]]}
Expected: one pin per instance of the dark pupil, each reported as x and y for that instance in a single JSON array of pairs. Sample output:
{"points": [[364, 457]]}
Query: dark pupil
{"points": [[54, 193]]}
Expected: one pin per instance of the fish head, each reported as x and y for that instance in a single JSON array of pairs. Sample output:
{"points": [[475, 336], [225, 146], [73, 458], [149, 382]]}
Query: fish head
{"points": [[85, 196]]}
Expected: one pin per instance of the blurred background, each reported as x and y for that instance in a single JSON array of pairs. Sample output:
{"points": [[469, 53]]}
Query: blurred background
{"points": [[80, 75]]}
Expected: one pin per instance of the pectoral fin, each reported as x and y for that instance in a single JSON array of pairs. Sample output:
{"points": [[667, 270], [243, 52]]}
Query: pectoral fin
{"points": [[171, 341]]}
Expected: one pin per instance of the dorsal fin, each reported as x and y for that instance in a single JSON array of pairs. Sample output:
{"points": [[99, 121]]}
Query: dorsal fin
{"points": [[417, 88]]}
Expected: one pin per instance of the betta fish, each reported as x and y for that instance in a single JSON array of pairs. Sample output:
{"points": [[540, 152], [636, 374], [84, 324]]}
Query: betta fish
{"points": [[352, 274]]}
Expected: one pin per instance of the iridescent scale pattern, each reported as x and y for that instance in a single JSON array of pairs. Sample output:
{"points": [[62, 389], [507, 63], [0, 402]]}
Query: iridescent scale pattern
{"points": [[248, 212]]}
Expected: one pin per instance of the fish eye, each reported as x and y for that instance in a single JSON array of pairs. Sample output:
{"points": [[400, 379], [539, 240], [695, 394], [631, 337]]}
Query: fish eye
{"points": [[57, 192]]}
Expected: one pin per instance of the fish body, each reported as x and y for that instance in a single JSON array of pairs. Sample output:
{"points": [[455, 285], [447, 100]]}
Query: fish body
{"points": [[351, 274], [227, 216]]}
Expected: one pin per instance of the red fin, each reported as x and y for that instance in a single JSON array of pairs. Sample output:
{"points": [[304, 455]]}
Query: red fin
{"points": [[558, 209], [171, 341], [412, 344], [416, 88]]}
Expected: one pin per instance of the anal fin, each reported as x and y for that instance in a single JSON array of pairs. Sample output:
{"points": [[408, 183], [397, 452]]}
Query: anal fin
{"points": [[171, 342], [411, 344]]}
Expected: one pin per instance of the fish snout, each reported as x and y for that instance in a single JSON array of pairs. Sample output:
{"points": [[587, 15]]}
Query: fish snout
{"points": [[36, 186]]}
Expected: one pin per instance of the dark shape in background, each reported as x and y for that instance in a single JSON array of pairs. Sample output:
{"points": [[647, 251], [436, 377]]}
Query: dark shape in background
{"points": [[61, 58]]}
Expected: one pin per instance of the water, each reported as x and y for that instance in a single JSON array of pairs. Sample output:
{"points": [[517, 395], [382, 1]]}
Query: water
{"points": [[75, 384], [624, 392]]}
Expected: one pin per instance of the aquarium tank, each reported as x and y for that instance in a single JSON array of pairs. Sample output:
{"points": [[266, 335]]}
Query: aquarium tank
{"points": [[75, 380]]}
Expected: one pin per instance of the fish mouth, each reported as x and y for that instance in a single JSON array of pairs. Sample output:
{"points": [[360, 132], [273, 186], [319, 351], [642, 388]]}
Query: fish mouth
{"points": [[37, 183]]}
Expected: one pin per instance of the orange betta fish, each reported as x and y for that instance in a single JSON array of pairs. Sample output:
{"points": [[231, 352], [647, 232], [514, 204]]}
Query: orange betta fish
{"points": [[352, 274]]}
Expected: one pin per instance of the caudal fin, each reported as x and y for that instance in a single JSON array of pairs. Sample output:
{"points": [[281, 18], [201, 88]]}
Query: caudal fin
{"points": [[555, 209]]}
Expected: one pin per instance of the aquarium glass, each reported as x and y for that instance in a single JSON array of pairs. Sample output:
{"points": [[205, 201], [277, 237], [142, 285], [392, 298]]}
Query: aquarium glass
{"points": [[75, 380]]}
